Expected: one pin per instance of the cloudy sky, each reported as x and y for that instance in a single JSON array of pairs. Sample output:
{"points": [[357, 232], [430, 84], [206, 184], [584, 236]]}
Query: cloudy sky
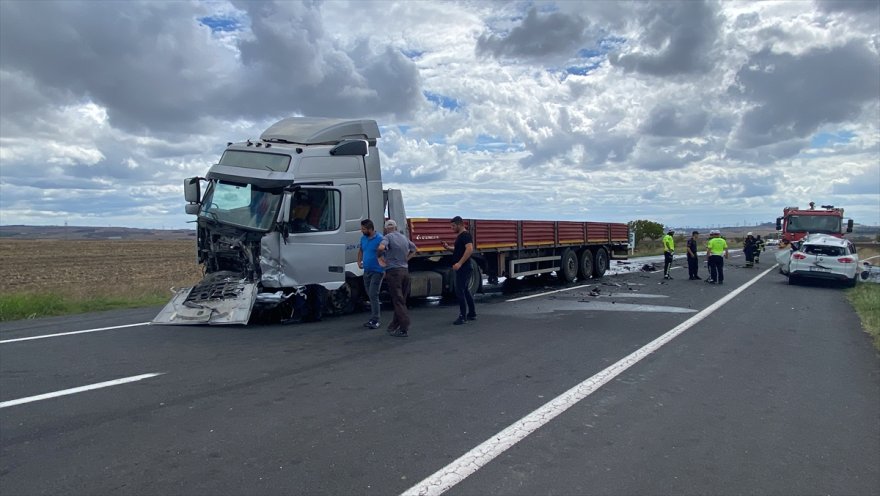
{"points": [[685, 113]]}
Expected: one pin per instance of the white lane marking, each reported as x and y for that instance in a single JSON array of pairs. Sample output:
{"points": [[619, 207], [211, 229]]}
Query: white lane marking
{"points": [[450, 475], [549, 292], [72, 332], [75, 390]]}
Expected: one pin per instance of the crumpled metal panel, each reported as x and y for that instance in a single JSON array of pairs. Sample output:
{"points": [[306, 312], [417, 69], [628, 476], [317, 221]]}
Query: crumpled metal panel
{"points": [[213, 301], [270, 261]]}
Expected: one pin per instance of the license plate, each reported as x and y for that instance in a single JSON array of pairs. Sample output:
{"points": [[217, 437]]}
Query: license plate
{"points": [[820, 269]]}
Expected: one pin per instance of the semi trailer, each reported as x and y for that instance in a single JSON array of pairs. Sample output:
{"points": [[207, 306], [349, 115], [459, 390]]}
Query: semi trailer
{"points": [[278, 227]]}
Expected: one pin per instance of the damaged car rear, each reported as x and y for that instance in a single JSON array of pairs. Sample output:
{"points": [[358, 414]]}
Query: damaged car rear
{"points": [[821, 257]]}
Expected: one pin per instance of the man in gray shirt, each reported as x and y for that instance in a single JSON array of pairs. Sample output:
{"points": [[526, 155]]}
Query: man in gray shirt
{"points": [[397, 251]]}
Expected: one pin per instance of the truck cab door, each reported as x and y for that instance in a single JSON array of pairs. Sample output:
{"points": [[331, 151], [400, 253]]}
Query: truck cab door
{"points": [[313, 250]]}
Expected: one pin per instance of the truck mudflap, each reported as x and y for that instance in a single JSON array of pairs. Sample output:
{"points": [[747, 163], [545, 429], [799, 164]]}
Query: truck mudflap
{"points": [[220, 298]]}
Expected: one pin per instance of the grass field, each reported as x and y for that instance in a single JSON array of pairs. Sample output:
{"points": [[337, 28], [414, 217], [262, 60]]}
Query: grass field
{"points": [[57, 277]]}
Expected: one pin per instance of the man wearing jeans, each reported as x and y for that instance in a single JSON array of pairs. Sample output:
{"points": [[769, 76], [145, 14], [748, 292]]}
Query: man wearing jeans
{"points": [[368, 259], [461, 254], [397, 251]]}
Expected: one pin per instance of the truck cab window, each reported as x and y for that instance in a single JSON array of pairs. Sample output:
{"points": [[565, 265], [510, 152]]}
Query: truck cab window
{"points": [[314, 210], [241, 204]]}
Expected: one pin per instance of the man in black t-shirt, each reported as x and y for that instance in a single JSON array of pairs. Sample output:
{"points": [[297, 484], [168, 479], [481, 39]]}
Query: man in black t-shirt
{"points": [[461, 254]]}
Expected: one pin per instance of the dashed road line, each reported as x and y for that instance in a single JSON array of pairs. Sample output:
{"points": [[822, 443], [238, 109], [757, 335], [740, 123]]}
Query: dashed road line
{"points": [[65, 392], [45, 336]]}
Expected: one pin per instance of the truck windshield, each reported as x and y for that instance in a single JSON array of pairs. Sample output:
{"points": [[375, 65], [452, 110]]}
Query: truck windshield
{"points": [[828, 224], [240, 204]]}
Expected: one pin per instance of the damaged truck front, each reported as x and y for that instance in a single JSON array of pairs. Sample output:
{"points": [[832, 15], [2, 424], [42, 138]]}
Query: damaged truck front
{"points": [[279, 222]]}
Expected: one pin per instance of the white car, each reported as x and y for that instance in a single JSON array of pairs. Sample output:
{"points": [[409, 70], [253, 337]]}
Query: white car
{"points": [[821, 257]]}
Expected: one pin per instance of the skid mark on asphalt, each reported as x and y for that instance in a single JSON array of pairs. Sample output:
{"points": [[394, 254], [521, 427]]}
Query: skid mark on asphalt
{"points": [[590, 305]]}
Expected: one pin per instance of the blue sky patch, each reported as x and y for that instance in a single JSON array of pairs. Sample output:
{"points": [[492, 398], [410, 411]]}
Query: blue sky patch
{"points": [[582, 70], [442, 101], [822, 140], [221, 24], [412, 54]]}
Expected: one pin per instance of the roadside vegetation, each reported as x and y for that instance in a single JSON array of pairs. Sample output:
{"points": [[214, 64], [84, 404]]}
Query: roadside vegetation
{"points": [[44, 278], [865, 298]]}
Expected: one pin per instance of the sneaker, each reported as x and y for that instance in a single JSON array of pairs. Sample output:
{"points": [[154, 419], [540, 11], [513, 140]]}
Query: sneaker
{"points": [[372, 324], [459, 321], [400, 333], [472, 317], [392, 329], [710, 281], [667, 276]]}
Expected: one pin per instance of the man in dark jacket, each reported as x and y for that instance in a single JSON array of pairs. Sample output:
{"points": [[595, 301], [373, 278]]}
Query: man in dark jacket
{"points": [[692, 258]]}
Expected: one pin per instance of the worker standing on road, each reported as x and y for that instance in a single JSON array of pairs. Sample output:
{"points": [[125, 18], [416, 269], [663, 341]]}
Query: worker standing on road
{"points": [[368, 259], [759, 247], [668, 252], [715, 248], [692, 257], [464, 246], [397, 251], [749, 249]]}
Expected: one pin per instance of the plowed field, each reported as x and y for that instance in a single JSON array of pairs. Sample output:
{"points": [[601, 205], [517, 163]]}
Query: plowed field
{"points": [[96, 268]]}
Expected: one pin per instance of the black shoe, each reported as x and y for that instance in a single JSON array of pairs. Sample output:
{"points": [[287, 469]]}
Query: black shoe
{"points": [[472, 317], [697, 278], [459, 321], [392, 329], [710, 281], [371, 324], [400, 333]]}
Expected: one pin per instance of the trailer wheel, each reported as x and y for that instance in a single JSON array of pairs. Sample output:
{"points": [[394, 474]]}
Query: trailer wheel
{"points": [[475, 283], [601, 264], [569, 265], [585, 265]]}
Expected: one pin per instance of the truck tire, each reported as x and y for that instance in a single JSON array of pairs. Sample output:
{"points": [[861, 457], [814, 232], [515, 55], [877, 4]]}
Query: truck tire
{"points": [[568, 265], [585, 264], [600, 264], [344, 300], [475, 283]]}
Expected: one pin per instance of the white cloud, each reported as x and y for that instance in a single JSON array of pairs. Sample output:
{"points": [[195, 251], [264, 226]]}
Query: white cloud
{"points": [[552, 110]]}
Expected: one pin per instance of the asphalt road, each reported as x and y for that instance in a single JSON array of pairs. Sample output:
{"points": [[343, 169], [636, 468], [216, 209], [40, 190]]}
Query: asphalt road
{"points": [[775, 392]]}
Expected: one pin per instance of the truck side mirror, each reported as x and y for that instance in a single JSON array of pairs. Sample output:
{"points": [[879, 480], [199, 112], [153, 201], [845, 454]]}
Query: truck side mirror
{"points": [[193, 208], [849, 225], [779, 223], [192, 189]]}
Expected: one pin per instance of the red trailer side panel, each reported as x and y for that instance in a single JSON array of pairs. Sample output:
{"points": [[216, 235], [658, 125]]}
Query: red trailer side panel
{"points": [[427, 234], [538, 233], [571, 233], [620, 232], [495, 234], [597, 232]]}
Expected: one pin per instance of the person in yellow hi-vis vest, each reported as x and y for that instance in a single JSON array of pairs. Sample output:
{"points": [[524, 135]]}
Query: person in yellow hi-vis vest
{"points": [[715, 248], [668, 252]]}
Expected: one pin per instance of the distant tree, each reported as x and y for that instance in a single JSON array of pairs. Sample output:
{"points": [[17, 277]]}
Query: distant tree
{"points": [[646, 229]]}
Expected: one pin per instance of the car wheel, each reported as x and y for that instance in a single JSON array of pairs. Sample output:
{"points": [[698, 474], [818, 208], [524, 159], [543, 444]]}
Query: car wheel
{"points": [[852, 282], [792, 280]]}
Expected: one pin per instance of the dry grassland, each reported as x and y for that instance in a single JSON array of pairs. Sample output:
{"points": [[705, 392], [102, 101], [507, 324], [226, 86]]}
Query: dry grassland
{"points": [[84, 269]]}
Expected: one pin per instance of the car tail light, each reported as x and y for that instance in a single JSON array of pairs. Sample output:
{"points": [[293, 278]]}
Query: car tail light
{"points": [[846, 260], [798, 256]]}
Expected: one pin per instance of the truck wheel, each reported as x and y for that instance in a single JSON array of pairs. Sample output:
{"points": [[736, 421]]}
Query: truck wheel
{"points": [[343, 300], [585, 265], [601, 264], [569, 265], [475, 283]]}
